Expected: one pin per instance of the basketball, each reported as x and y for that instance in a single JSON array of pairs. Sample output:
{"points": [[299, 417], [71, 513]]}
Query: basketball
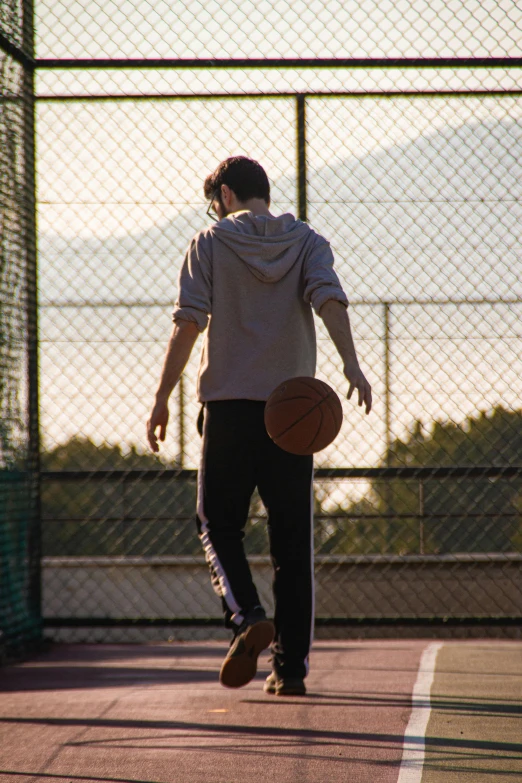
{"points": [[303, 415]]}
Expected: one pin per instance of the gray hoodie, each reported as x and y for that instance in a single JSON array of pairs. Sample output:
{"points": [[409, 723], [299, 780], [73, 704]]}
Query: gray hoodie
{"points": [[258, 279]]}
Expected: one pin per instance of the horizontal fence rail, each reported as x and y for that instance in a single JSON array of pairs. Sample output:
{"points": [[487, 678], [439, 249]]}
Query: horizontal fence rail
{"points": [[288, 62], [421, 472]]}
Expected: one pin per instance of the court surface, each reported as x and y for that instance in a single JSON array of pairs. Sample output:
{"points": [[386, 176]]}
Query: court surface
{"points": [[378, 711]]}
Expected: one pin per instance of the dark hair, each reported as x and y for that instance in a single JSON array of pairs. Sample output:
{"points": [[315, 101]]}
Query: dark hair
{"points": [[246, 177]]}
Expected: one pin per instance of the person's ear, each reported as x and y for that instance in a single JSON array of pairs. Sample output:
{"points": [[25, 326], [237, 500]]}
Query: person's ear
{"points": [[225, 195]]}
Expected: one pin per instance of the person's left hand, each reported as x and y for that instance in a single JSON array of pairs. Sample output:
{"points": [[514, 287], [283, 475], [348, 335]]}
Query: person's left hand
{"points": [[356, 379]]}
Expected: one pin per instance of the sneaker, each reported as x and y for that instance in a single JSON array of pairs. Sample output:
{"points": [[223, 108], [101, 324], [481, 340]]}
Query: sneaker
{"points": [[287, 686], [240, 665]]}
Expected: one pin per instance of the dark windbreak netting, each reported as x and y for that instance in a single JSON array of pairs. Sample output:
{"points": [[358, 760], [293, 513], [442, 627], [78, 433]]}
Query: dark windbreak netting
{"points": [[19, 548]]}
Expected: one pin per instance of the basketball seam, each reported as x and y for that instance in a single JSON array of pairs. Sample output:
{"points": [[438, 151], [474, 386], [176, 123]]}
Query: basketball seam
{"points": [[288, 399], [316, 432], [280, 435]]}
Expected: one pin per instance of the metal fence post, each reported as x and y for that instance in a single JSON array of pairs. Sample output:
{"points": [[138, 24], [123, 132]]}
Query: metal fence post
{"points": [[387, 404], [181, 420], [301, 157], [388, 494], [421, 517]]}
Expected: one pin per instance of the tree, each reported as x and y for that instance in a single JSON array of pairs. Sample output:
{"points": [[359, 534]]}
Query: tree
{"points": [[488, 440], [114, 516], [495, 506]]}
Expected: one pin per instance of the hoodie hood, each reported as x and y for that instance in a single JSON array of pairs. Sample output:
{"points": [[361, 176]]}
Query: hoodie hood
{"points": [[268, 246]]}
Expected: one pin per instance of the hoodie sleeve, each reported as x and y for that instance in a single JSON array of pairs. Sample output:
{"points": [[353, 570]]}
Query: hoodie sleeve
{"points": [[194, 302], [320, 278]]}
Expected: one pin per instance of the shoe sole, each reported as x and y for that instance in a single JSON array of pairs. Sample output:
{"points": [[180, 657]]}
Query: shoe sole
{"points": [[240, 669], [275, 691], [290, 692]]}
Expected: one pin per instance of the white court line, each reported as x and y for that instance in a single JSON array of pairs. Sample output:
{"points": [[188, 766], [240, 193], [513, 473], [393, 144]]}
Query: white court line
{"points": [[414, 744]]}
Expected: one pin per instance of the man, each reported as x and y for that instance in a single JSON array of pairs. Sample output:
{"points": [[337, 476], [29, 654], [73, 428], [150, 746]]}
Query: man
{"points": [[253, 279]]}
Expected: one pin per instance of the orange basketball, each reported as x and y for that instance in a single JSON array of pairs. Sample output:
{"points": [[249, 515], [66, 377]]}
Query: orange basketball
{"points": [[303, 415]]}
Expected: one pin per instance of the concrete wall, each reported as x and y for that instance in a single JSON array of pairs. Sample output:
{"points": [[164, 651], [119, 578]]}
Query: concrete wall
{"points": [[366, 587]]}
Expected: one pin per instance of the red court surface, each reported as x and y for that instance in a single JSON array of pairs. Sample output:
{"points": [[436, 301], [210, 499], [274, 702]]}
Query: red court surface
{"points": [[157, 714]]}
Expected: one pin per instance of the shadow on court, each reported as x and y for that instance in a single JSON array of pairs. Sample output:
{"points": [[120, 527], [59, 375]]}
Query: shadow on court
{"points": [[100, 666], [79, 677], [310, 737]]}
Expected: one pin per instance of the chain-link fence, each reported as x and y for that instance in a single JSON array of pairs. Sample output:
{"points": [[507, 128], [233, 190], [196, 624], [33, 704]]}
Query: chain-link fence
{"points": [[403, 149], [20, 622]]}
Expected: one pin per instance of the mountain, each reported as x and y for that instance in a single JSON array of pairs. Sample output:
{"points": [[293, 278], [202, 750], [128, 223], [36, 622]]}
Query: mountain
{"points": [[435, 216]]}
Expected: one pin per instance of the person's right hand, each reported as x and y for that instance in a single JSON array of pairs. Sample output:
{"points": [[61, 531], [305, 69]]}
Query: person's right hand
{"points": [[158, 418], [356, 379]]}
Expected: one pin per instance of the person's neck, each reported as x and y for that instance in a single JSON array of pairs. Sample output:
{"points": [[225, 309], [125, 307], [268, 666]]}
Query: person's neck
{"points": [[257, 206]]}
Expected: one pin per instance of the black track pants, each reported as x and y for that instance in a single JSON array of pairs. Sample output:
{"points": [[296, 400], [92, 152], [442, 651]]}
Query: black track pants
{"points": [[237, 456]]}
